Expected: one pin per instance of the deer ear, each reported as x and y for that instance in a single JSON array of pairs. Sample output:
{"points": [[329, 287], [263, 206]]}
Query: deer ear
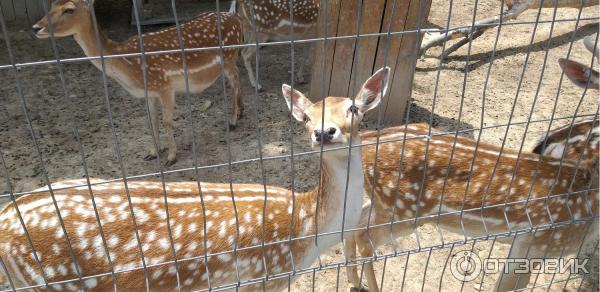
{"points": [[296, 101], [582, 75], [372, 90]]}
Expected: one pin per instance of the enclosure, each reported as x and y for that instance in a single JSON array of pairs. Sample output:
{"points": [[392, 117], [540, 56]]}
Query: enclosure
{"points": [[61, 118]]}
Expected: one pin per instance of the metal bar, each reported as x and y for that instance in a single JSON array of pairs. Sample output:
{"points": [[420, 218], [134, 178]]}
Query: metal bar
{"points": [[42, 165], [75, 129], [8, 181], [193, 138], [117, 145], [228, 140], [378, 130], [291, 121]]}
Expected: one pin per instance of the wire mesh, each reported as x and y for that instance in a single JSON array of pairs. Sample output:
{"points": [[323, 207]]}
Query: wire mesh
{"points": [[405, 254]]}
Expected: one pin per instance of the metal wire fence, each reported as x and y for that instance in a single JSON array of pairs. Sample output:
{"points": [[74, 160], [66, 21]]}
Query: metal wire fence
{"points": [[482, 217]]}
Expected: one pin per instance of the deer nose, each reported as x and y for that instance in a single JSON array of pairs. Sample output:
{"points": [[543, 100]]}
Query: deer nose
{"points": [[36, 28], [325, 136], [331, 131]]}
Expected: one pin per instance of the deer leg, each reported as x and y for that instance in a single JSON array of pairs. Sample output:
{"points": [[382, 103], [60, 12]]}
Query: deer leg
{"points": [[363, 241], [350, 254], [472, 32], [168, 106], [367, 242], [232, 75], [248, 53], [511, 281], [153, 111]]}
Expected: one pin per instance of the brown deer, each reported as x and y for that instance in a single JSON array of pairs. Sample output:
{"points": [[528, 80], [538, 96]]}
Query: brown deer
{"points": [[570, 142], [476, 190], [165, 72], [515, 8], [191, 233], [267, 20], [462, 193]]}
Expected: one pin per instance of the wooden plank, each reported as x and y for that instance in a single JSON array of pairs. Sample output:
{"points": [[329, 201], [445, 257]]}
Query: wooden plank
{"points": [[362, 68], [21, 11], [399, 51], [36, 10], [7, 10], [389, 48], [398, 23], [320, 78], [407, 58], [344, 49]]}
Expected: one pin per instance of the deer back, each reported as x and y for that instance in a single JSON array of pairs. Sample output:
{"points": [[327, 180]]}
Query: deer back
{"points": [[273, 17], [159, 243], [473, 182]]}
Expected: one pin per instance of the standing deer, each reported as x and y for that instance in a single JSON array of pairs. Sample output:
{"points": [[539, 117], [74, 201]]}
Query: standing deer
{"points": [[471, 201], [165, 72], [212, 239], [515, 8], [454, 187], [272, 22]]}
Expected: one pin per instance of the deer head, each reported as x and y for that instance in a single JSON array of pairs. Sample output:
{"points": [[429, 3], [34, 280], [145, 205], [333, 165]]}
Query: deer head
{"points": [[65, 17], [342, 114]]}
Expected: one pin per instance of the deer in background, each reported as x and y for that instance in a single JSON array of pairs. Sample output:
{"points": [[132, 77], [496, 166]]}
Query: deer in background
{"points": [[515, 8], [452, 186], [165, 72], [232, 246], [272, 22]]}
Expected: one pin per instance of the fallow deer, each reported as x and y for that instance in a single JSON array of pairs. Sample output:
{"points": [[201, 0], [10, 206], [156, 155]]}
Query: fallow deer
{"points": [[470, 189], [164, 72], [477, 190], [515, 8], [190, 232], [268, 20]]}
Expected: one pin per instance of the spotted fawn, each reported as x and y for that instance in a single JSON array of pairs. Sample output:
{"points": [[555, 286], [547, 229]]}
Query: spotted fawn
{"points": [[165, 76]]}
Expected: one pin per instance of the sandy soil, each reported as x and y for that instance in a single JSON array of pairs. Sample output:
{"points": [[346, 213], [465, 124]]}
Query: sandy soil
{"points": [[54, 109]]}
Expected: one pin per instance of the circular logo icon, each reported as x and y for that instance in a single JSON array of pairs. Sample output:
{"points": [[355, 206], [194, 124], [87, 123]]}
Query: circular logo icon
{"points": [[465, 266]]}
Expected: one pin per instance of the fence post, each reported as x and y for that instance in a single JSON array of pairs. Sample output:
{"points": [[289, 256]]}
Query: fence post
{"points": [[343, 64]]}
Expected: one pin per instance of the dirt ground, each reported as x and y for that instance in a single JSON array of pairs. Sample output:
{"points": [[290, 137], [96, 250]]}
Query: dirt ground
{"points": [[53, 110]]}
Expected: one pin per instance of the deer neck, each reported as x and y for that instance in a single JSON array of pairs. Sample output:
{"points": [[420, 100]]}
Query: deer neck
{"points": [[335, 174], [93, 46]]}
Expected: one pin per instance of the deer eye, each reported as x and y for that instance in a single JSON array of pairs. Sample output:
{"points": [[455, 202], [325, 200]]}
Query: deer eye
{"points": [[353, 109], [306, 119], [69, 11]]}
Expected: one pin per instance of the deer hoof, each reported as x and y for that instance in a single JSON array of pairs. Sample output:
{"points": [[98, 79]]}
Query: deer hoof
{"points": [[232, 126], [300, 79], [170, 162], [150, 157], [258, 87], [360, 289]]}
